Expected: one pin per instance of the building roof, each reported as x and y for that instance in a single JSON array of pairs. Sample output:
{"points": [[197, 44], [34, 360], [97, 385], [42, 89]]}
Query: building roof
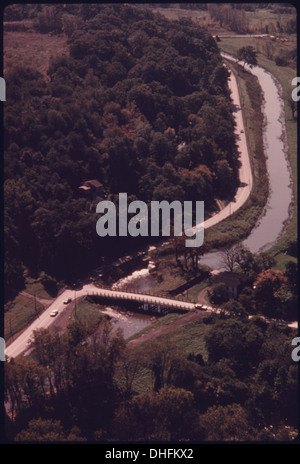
{"points": [[93, 183], [88, 184], [231, 279]]}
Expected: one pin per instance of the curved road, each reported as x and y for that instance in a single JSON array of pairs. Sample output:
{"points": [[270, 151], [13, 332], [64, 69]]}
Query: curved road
{"points": [[245, 173]]}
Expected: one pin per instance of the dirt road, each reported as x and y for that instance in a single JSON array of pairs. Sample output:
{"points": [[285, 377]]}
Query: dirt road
{"points": [[179, 322]]}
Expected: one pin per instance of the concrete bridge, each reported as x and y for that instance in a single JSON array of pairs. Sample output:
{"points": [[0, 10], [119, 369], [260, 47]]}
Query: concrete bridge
{"points": [[146, 301]]}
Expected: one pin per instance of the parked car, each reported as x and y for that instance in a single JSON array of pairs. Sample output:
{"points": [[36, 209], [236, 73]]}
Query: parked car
{"points": [[67, 300], [198, 306], [54, 312]]}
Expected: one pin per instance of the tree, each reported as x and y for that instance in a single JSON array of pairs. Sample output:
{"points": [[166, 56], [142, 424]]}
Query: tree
{"points": [[24, 384], [69, 23], [160, 359], [268, 285], [175, 412], [218, 294], [130, 363], [248, 55], [235, 308], [164, 415], [230, 257], [293, 106], [42, 430], [225, 423], [237, 340], [291, 273]]}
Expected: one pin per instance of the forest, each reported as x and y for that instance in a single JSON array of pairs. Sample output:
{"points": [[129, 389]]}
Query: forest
{"points": [[139, 105], [80, 387]]}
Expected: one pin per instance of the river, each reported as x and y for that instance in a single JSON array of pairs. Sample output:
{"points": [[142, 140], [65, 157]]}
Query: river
{"points": [[128, 321], [276, 213]]}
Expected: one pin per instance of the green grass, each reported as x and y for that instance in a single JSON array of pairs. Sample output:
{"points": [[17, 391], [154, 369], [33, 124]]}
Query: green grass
{"points": [[192, 292], [162, 321], [262, 17], [37, 289], [31, 49], [282, 259], [257, 19], [189, 338], [88, 314], [19, 313]]}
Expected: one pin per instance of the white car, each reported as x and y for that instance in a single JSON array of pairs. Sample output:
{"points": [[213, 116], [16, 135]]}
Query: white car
{"points": [[67, 300], [54, 313], [198, 306]]}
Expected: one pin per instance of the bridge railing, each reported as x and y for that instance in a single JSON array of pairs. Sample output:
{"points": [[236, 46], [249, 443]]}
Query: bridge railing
{"points": [[147, 293], [142, 297]]}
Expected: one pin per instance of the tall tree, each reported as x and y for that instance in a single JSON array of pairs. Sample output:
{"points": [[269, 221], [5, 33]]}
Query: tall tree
{"points": [[248, 55]]}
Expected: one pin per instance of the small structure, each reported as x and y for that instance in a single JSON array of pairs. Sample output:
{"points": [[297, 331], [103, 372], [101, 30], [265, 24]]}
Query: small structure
{"points": [[233, 282], [93, 184]]}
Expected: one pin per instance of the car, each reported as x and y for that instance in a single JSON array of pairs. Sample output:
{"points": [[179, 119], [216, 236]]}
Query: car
{"points": [[54, 313], [198, 306], [67, 300]]}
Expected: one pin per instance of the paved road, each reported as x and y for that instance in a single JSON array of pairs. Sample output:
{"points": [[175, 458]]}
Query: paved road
{"points": [[20, 345], [245, 173]]}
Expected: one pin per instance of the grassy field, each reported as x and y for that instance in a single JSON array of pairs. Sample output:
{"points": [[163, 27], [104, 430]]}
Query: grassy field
{"points": [[31, 49], [162, 321], [37, 288], [88, 314], [190, 338], [19, 313], [259, 20]]}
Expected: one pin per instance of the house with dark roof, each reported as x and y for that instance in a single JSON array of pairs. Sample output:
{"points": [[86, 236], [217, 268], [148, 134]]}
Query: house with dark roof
{"points": [[232, 281], [92, 184]]}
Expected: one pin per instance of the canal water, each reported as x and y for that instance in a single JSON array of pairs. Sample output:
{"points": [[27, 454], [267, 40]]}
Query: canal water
{"points": [[128, 321], [276, 213]]}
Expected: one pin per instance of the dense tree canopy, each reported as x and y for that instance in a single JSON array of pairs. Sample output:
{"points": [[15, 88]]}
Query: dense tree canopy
{"points": [[74, 388], [140, 103]]}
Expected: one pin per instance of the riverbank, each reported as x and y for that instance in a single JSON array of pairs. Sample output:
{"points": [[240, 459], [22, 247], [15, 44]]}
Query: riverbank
{"points": [[240, 223], [285, 249]]}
